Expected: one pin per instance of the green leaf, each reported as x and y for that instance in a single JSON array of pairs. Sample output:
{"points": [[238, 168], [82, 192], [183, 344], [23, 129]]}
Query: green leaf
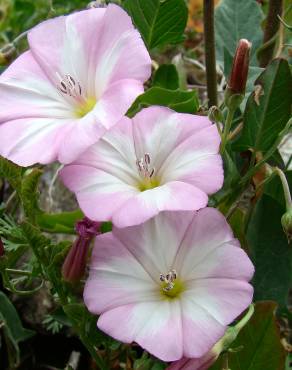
{"points": [[76, 312], [12, 329], [29, 193], [234, 20], [59, 222], [167, 77], [159, 22], [270, 252], [11, 319], [178, 100], [11, 172], [288, 363], [268, 110], [258, 343]]}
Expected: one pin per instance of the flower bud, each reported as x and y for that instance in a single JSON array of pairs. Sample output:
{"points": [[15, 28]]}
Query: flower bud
{"points": [[2, 251], [7, 53], [286, 221], [75, 262], [239, 72], [215, 114], [235, 90]]}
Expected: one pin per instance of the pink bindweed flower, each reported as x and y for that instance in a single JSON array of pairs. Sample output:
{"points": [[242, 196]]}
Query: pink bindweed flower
{"points": [[75, 262], [172, 284], [160, 160], [81, 74]]}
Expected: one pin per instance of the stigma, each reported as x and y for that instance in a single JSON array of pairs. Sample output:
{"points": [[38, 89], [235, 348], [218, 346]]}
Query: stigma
{"points": [[169, 280]]}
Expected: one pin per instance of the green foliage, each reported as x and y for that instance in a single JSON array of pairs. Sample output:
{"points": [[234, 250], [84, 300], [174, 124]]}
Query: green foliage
{"points": [[159, 22], [51, 324], [18, 16], [235, 20], [166, 76], [270, 252], [12, 328], [29, 193], [268, 109], [178, 100], [11, 172], [258, 345], [63, 222]]}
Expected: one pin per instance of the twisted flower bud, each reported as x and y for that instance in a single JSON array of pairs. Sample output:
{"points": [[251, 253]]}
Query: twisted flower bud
{"points": [[235, 91], [239, 72], [75, 262]]}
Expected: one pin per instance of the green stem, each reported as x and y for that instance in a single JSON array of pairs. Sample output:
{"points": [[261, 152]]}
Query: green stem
{"points": [[227, 128], [241, 324], [19, 272], [268, 154], [210, 56], [225, 361], [92, 350], [271, 29], [286, 188]]}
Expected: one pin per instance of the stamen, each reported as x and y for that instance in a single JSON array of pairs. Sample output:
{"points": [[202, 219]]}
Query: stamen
{"points": [[169, 279], [144, 168], [69, 86]]}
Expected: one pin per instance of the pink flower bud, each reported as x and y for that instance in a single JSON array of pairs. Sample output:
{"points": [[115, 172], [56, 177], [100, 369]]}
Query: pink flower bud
{"points": [[75, 262], [239, 72]]}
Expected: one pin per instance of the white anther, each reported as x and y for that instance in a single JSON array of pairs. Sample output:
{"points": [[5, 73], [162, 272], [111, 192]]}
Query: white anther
{"points": [[144, 168], [69, 86]]}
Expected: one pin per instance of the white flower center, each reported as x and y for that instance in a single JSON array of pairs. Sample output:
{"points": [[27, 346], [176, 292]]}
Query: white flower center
{"points": [[70, 87]]}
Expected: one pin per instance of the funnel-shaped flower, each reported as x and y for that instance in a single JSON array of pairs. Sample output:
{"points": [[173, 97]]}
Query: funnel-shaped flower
{"points": [[75, 262], [172, 284], [79, 77], [160, 160]]}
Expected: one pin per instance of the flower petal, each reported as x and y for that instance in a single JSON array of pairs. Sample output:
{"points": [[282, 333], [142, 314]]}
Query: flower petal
{"points": [[99, 194], [26, 92], [156, 326], [196, 161], [173, 196], [155, 243], [120, 277], [208, 231], [158, 130], [223, 299], [116, 101], [200, 329], [92, 45], [31, 140]]}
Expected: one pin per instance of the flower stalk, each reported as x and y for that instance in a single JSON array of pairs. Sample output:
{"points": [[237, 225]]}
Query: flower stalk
{"points": [[271, 29], [209, 35], [286, 219]]}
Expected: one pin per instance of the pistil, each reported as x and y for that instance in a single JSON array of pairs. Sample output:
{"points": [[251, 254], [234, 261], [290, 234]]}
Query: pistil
{"points": [[146, 172]]}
